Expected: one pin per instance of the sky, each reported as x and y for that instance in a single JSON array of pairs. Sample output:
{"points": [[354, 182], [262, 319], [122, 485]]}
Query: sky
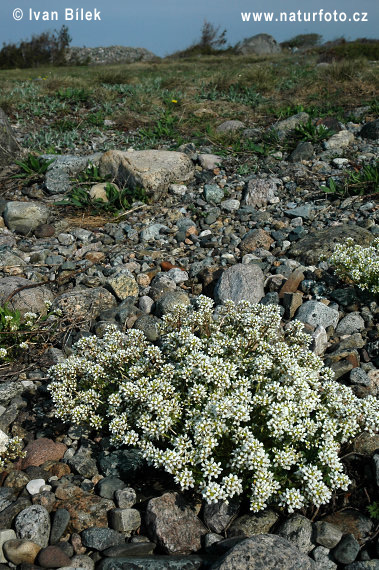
{"points": [[165, 26]]}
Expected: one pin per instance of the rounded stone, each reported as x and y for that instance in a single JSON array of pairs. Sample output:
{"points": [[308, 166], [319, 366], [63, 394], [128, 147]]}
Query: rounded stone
{"points": [[33, 523], [21, 551], [53, 557], [34, 486]]}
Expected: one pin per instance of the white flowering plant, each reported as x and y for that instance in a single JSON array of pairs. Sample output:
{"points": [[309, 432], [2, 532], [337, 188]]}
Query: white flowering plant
{"points": [[227, 402], [21, 331], [10, 451], [360, 264]]}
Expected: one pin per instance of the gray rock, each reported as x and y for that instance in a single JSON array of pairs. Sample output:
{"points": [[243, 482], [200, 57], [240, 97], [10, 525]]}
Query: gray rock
{"points": [[169, 301], [83, 561], [347, 550], [149, 326], [173, 524], [177, 275], [317, 314], [298, 530], [59, 174], [360, 377], [125, 520], [304, 212], [230, 205], [264, 551], [125, 498], [319, 340], [122, 284], [152, 563], [213, 194], [259, 193], [123, 463], [350, 324], [240, 283], [282, 128], [108, 486], [60, 520], [153, 170], [5, 534], [321, 555], [376, 466], [217, 516], [145, 303], [33, 523], [326, 534], [303, 151], [339, 140], [7, 497], [129, 549], [83, 463], [230, 126], [24, 217], [9, 147], [370, 130], [364, 565], [260, 44], [101, 538], [32, 299], [8, 514], [250, 525], [209, 161], [152, 232], [85, 303], [10, 390]]}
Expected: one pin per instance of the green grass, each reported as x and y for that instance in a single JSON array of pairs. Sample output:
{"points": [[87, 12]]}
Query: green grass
{"points": [[65, 108]]}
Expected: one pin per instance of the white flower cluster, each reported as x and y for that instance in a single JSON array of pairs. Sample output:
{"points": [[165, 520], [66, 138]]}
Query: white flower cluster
{"points": [[359, 263], [227, 402], [12, 451]]}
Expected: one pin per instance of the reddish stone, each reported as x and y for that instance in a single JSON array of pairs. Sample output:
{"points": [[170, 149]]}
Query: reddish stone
{"points": [[292, 283], [352, 522], [60, 469], [166, 266], [86, 511], [44, 231], [41, 450], [53, 557], [77, 544]]}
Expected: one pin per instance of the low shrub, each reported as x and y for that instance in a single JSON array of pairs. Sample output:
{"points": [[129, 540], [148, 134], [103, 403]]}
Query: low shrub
{"points": [[226, 402], [358, 263]]}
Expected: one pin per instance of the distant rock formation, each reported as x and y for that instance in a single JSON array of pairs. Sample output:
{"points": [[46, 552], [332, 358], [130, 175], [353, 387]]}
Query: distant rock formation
{"points": [[108, 55], [261, 44]]}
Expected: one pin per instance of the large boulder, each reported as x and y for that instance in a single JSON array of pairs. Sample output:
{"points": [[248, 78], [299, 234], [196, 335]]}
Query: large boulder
{"points": [[29, 299], [153, 170], [310, 249], [261, 44], [24, 217], [264, 551], [9, 147]]}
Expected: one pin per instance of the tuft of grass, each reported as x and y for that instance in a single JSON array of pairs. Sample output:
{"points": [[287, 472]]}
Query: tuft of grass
{"points": [[357, 183], [117, 200], [32, 169], [312, 133]]}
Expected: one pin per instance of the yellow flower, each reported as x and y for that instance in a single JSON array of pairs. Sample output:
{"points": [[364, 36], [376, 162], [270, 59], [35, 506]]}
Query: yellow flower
{"points": [[173, 101]]}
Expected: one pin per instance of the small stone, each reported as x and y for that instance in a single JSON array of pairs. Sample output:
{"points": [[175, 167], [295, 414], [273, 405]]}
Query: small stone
{"points": [[83, 561], [303, 151], [350, 324], [125, 498], [315, 314], [21, 551], [255, 239], [33, 523], [5, 535], [130, 549], [41, 450], [360, 377], [352, 522], [53, 557], [347, 550], [259, 192], [213, 193], [209, 161], [34, 486], [370, 130], [230, 126], [60, 522], [250, 525], [319, 340], [298, 530], [107, 486], [170, 300], [125, 520], [339, 140], [101, 538], [327, 534], [321, 555], [217, 516]]}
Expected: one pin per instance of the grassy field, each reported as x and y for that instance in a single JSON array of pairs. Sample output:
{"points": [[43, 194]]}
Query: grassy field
{"points": [[175, 101]]}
